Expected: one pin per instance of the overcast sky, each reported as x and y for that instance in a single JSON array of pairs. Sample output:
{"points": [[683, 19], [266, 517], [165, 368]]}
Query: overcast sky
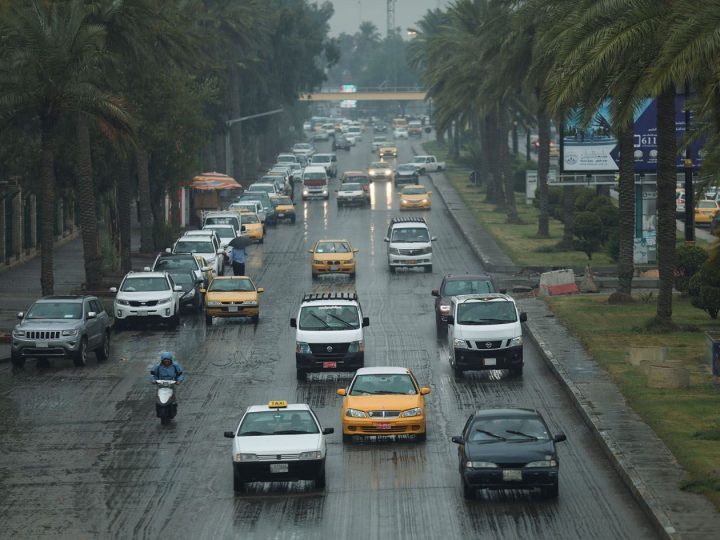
{"points": [[350, 13]]}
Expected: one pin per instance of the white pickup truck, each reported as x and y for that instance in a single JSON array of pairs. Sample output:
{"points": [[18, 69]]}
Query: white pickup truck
{"points": [[427, 164]]}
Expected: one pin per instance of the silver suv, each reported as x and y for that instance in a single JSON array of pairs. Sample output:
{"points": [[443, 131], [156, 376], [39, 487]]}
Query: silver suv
{"points": [[62, 327]]}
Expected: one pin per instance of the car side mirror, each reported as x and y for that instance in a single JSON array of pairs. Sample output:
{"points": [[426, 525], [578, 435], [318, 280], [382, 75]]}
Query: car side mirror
{"points": [[146, 269], [341, 392], [91, 314], [450, 319], [177, 288], [503, 291], [20, 315], [435, 292], [168, 250], [261, 290], [523, 316], [229, 434], [328, 431], [386, 239], [355, 250], [220, 251], [366, 321], [293, 323], [424, 391], [205, 269], [432, 239], [310, 250], [457, 439], [113, 289], [560, 437]]}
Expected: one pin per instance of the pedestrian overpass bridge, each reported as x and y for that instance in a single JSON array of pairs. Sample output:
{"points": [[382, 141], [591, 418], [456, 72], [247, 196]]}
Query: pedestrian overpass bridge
{"points": [[368, 94]]}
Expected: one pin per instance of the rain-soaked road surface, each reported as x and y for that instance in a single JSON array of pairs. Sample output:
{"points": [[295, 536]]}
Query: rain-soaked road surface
{"points": [[83, 456]]}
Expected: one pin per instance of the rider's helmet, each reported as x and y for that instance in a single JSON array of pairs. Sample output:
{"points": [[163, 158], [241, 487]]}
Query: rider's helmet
{"points": [[166, 358]]}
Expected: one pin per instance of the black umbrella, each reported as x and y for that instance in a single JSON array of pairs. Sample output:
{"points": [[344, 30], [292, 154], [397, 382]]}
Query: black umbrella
{"points": [[240, 242]]}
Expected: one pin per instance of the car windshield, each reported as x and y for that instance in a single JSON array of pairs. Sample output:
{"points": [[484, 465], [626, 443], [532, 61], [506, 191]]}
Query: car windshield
{"points": [[332, 247], [467, 286], [221, 220], [302, 146], [414, 191], [225, 233], [175, 264], [284, 200], [251, 207], [484, 312], [231, 285], [186, 280], [193, 246], [383, 383], [408, 169], [379, 165], [263, 189], [707, 204], [350, 187], [145, 284], [360, 178], [321, 159], [314, 176], [278, 422], [512, 429], [250, 218], [286, 158], [329, 318], [410, 234], [55, 310]]}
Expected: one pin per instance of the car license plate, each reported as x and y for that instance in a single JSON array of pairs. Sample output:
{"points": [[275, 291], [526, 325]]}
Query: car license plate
{"points": [[42, 344], [278, 467], [281, 215], [329, 365], [383, 426], [334, 268], [232, 309], [143, 313], [512, 475], [490, 362]]}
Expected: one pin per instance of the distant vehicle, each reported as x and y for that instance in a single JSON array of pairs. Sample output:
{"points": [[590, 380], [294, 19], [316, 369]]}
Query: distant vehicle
{"points": [[400, 133], [315, 182], [453, 285], [387, 149], [415, 128], [399, 123], [342, 143], [357, 177], [329, 161], [426, 164], [415, 197], [378, 140], [146, 296], [380, 170], [352, 194], [407, 173]]}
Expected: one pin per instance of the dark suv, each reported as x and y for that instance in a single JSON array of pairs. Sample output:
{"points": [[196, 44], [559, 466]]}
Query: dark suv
{"points": [[455, 285], [62, 327]]}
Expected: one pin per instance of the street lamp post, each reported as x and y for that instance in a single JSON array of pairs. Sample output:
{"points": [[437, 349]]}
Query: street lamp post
{"points": [[228, 148]]}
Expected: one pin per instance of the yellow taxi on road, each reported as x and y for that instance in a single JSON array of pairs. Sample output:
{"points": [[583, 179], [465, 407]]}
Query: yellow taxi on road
{"points": [[387, 149], [415, 196], [333, 257], [705, 211], [232, 296], [254, 228], [284, 207], [383, 401]]}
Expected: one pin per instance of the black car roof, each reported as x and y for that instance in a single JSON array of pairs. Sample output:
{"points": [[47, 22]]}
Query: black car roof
{"points": [[66, 298], [506, 412]]}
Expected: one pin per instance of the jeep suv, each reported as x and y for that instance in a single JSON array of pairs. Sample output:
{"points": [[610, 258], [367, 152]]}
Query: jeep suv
{"points": [[62, 327], [409, 244]]}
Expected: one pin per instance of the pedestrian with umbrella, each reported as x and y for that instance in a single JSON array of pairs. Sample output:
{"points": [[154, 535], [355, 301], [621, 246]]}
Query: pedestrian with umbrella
{"points": [[238, 255]]}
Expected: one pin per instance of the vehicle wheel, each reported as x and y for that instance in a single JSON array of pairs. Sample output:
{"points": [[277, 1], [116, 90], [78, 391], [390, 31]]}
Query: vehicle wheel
{"points": [[457, 372], [468, 492], [238, 484], [516, 372], [392, 269], [255, 318], [346, 438], [551, 492], [208, 320], [17, 360], [164, 420], [175, 319], [428, 268], [320, 479], [301, 374], [80, 358], [103, 353], [421, 437], [352, 275]]}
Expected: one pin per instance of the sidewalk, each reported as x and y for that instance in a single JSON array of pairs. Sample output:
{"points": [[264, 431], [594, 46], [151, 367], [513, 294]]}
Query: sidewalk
{"points": [[641, 459]]}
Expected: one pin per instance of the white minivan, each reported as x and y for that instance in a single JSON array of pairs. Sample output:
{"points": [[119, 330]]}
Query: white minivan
{"points": [[485, 332], [315, 182]]}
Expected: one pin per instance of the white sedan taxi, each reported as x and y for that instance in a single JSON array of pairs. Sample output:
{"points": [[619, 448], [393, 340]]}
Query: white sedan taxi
{"points": [[278, 442]]}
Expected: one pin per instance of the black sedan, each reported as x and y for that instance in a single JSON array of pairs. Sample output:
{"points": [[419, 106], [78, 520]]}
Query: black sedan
{"points": [[406, 174], [191, 295], [508, 449], [454, 285], [341, 143]]}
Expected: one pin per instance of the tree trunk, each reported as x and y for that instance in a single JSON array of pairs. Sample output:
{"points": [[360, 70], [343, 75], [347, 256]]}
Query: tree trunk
{"points": [[494, 162], [47, 211], [88, 208], [543, 168], [507, 169], [568, 217], [124, 218], [666, 182], [146, 219], [626, 202]]}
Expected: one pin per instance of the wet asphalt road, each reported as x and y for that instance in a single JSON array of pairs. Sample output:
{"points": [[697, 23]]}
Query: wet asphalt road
{"points": [[83, 456]]}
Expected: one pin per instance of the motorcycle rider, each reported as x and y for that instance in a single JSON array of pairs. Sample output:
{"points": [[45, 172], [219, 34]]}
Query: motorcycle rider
{"points": [[168, 369]]}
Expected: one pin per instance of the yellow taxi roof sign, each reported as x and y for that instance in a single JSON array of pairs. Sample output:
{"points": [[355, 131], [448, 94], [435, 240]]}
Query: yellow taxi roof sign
{"points": [[277, 404]]}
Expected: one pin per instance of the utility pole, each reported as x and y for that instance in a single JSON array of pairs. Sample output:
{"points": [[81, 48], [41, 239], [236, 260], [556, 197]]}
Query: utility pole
{"points": [[390, 16]]}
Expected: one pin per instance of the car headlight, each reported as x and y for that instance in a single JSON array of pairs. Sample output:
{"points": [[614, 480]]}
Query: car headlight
{"points": [[306, 192], [190, 293], [417, 411], [372, 173], [122, 302], [393, 251], [480, 465], [72, 332], [426, 250], [460, 344], [356, 346], [214, 304], [18, 333], [544, 463], [388, 172], [354, 413], [317, 261], [311, 455], [424, 200], [302, 347], [516, 341], [245, 457], [445, 308], [165, 300]]}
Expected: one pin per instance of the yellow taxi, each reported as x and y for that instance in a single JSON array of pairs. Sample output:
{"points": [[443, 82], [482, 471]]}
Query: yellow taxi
{"points": [[415, 196], [705, 211], [333, 257], [209, 273], [383, 401], [284, 207], [254, 228], [387, 149], [232, 296]]}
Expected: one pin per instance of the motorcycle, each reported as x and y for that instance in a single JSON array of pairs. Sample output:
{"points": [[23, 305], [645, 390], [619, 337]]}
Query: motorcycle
{"points": [[165, 405]]}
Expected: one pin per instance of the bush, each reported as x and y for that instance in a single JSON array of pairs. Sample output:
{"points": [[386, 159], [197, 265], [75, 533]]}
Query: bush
{"points": [[610, 217], [583, 196], [688, 260], [599, 201], [612, 244], [588, 228], [704, 287]]}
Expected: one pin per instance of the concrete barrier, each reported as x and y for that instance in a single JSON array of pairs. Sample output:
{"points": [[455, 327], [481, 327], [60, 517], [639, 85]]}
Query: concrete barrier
{"points": [[635, 356], [557, 282], [666, 375]]}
